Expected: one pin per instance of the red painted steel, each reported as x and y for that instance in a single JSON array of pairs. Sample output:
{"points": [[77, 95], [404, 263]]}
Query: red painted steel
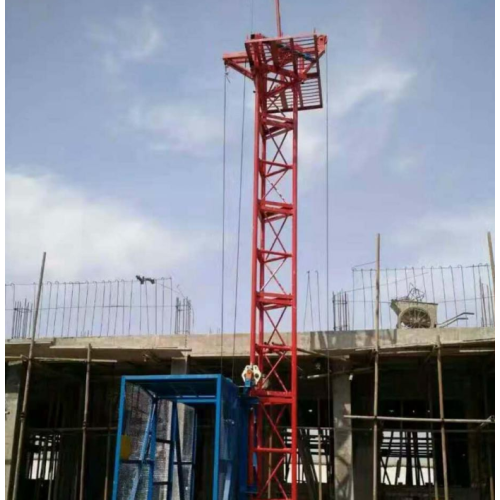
{"points": [[286, 74]]}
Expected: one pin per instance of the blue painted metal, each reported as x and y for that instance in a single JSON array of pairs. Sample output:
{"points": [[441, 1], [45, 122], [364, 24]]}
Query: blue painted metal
{"points": [[215, 482], [193, 460], [152, 453], [178, 457], [119, 433], [171, 453], [146, 443], [230, 451]]}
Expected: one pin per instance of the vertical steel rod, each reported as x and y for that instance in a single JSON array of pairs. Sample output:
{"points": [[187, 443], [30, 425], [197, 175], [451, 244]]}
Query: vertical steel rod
{"points": [[376, 372], [278, 18], [84, 426], [441, 415], [24, 408], [492, 265]]}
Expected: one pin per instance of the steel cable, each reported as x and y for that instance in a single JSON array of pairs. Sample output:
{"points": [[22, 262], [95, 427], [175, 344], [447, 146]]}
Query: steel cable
{"points": [[238, 239], [223, 219]]}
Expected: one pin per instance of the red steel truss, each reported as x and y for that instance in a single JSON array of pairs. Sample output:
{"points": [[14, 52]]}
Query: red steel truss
{"points": [[286, 74]]}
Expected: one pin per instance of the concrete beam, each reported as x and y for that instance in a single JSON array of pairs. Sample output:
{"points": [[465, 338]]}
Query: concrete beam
{"points": [[208, 346]]}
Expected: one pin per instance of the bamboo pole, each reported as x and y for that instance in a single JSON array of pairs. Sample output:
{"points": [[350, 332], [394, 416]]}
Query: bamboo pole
{"points": [[488, 446], [376, 372], [24, 408], [84, 426], [441, 414], [60, 360]]}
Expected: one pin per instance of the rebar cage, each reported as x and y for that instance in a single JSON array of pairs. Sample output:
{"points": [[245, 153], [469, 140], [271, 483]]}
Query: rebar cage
{"points": [[156, 451]]}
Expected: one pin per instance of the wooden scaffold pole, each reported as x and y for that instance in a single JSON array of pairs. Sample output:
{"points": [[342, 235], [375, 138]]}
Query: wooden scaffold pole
{"points": [[376, 373], [85, 423], [24, 408]]}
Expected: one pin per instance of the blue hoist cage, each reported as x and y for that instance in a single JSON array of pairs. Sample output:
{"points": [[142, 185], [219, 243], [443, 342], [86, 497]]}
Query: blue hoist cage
{"points": [[156, 448]]}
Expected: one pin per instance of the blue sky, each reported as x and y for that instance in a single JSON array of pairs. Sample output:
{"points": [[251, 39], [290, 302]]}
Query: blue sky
{"points": [[114, 139]]}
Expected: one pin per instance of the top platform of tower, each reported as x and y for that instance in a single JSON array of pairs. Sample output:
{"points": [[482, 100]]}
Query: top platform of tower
{"points": [[282, 63]]}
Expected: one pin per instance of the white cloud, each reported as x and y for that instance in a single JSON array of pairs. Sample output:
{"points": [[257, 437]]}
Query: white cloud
{"points": [[86, 238], [448, 238], [357, 139], [351, 89], [128, 40], [405, 164], [312, 148], [177, 127]]}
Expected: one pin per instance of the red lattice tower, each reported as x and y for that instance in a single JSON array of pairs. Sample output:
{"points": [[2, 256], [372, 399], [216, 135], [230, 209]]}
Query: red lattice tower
{"points": [[286, 74]]}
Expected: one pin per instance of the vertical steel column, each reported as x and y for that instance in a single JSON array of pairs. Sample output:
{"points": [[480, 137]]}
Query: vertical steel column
{"points": [[376, 373], [119, 432], [217, 437], [441, 416], [24, 408], [85, 423]]}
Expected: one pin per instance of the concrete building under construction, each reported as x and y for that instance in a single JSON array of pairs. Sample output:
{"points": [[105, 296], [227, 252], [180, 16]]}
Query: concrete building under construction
{"points": [[430, 435], [111, 396]]}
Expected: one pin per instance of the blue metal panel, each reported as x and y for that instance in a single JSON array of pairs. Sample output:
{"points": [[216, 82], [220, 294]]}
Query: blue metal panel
{"points": [[152, 453], [231, 421], [215, 485], [144, 449], [195, 401], [119, 438], [178, 457], [173, 434]]}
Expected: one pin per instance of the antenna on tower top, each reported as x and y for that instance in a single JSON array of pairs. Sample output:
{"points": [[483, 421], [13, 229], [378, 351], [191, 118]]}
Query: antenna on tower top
{"points": [[278, 18]]}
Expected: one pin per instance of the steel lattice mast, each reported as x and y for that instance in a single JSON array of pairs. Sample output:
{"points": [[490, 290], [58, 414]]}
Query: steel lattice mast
{"points": [[286, 74]]}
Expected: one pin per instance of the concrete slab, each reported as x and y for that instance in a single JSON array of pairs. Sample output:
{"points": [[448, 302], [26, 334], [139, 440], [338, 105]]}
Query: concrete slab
{"points": [[209, 346]]}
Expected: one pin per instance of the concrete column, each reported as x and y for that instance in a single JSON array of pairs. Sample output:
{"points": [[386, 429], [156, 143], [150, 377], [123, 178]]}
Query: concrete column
{"points": [[344, 484], [179, 366], [13, 390]]}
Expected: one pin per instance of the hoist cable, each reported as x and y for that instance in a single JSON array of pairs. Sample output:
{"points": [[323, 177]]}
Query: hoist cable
{"points": [[236, 285], [223, 221]]}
